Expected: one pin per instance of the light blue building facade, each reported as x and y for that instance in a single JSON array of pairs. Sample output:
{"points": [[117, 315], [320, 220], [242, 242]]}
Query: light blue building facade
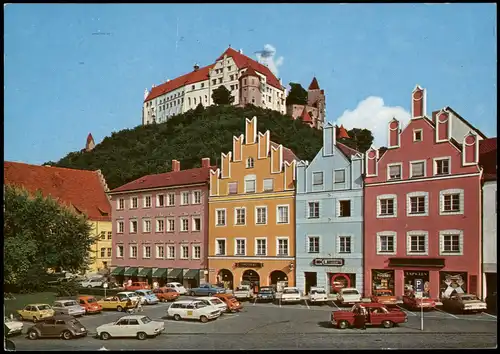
{"points": [[329, 218]]}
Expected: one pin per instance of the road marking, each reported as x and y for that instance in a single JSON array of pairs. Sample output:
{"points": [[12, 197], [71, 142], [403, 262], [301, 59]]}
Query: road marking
{"points": [[455, 317], [487, 314], [226, 317], [405, 310]]}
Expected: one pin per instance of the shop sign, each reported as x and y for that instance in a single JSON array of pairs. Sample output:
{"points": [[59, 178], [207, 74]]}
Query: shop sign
{"points": [[329, 262], [248, 265]]}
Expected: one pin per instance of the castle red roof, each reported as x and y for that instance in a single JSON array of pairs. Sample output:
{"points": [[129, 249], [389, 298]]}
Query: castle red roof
{"points": [[342, 133], [288, 155], [250, 72], [168, 179], [314, 84], [305, 116], [488, 158], [81, 189]]}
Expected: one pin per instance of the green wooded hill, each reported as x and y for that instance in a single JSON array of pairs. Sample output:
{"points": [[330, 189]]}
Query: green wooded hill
{"points": [[132, 153]]}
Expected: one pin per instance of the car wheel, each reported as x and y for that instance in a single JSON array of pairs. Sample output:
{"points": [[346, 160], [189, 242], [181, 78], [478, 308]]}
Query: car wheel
{"points": [[141, 336], [343, 324], [89, 286], [119, 308], [177, 317], [204, 319], [105, 336], [21, 318], [210, 294], [35, 320], [33, 335], [387, 324], [192, 293], [67, 335]]}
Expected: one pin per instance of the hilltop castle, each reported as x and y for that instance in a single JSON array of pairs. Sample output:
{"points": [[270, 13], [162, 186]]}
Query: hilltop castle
{"points": [[314, 112]]}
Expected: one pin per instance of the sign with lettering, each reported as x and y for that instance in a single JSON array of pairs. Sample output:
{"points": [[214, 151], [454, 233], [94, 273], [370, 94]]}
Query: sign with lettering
{"points": [[419, 285], [249, 265], [336, 262]]}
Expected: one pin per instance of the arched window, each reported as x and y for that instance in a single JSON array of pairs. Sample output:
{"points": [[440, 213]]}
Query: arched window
{"points": [[194, 101], [250, 162], [206, 98], [189, 101]]}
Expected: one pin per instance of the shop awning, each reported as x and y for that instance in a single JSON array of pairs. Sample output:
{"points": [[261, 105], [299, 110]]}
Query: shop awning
{"points": [[145, 272], [175, 273], [192, 274], [417, 262], [160, 273], [131, 272], [118, 271]]}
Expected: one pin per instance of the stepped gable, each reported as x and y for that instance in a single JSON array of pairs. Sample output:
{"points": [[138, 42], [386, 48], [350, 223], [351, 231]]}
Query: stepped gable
{"points": [[288, 155], [314, 84], [488, 158], [81, 189]]}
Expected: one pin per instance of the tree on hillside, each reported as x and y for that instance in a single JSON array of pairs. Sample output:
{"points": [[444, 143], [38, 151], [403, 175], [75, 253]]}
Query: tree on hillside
{"points": [[40, 234], [359, 139], [297, 95], [222, 95]]}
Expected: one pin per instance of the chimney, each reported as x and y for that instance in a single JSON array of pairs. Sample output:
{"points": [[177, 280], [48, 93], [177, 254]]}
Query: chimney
{"points": [[196, 67], [153, 86], [205, 162], [168, 79], [176, 166], [241, 51]]}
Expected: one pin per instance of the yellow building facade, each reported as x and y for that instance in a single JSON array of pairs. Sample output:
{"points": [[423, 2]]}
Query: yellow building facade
{"points": [[251, 235], [102, 251]]}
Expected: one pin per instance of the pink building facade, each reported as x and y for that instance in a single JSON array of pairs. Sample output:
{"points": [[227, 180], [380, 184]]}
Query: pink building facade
{"points": [[160, 227], [423, 207]]}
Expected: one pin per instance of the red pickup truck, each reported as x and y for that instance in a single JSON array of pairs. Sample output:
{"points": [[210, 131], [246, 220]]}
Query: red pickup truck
{"points": [[376, 315]]}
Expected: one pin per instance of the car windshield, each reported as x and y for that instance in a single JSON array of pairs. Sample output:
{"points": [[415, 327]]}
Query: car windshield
{"points": [[350, 292], [230, 297], [217, 301], [91, 300], [265, 291], [147, 292], [70, 303], [469, 297], [146, 319], [7, 319], [290, 291], [43, 307], [75, 323], [319, 291]]}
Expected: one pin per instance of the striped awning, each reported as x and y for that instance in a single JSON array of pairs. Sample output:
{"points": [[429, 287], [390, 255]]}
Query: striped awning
{"points": [[160, 273], [145, 272], [192, 274], [132, 271], [118, 271], [175, 273]]}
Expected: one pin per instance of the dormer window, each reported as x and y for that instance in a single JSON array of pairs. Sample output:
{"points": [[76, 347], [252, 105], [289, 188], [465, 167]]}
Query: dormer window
{"points": [[250, 162], [417, 135]]}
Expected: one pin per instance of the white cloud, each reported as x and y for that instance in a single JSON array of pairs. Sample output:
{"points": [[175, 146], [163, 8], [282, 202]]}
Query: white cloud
{"points": [[266, 56], [372, 114]]}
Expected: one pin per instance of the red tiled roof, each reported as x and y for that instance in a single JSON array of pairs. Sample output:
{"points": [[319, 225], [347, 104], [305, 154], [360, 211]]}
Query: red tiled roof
{"points": [[168, 179], [305, 116], [314, 84], [488, 158], [250, 72], [347, 150], [81, 189], [342, 133], [288, 155]]}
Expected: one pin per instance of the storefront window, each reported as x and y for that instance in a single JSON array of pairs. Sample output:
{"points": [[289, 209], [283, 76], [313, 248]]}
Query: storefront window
{"points": [[341, 280], [409, 278], [383, 280], [452, 283]]}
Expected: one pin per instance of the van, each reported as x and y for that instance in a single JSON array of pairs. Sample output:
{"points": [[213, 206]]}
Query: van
{"points": [[192, 310]]}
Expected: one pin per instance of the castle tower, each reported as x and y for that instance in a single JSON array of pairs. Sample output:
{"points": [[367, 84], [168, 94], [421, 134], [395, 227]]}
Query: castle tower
{"points": [[250, 88], [316, 98], [90, 145]]}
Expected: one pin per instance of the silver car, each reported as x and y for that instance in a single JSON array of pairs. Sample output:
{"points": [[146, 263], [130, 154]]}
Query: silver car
{"points": [[68, 307]]}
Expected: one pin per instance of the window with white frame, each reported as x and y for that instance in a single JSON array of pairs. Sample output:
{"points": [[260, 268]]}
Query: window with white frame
{"points": [[282, 247], [196, 253], [261, 246], [160, 200], [103, 252], [250, 184], [261, 215], [170, 225], [282, 214], [268, 185], [221, 217], [250, 162], [417, 243], [339, 176], [184, 252], [451, 202], [197, 197], [171, 252], [240, 216], [146, 225], [170, 199], [317, 178], [417, 169], [184, 224], [120, 204], [119, 226], [417, 135], [147, 252], [394, 172], [344, 244], [240, 247], [232, 187], [134, 203], [220, 247], [386, 243], [344, 208], [133, 251], [160, 225], [417, 203], [313, 244], [313, 210], [160, 252], [442, 166], [119, 251], [451, 242], [184, 198], [386, 205], [147, 201], [133, 226], [196, 224]]}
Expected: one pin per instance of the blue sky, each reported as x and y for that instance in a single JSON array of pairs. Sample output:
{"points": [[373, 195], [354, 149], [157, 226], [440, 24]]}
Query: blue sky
{"points": [[61, 82]]}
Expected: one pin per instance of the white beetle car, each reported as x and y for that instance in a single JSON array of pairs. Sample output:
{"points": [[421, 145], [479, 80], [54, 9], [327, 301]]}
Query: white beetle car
{"points": [[15, 327], [192, 310], [132, 296], [349, 296], [137, 326], [215, 302], [95, 282], [317, 295], [177, 287], [290, 294]]}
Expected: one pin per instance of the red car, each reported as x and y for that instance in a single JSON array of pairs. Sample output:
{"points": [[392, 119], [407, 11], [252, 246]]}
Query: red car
{"points": [[376, 315], [384, 297], [138, 285], [411, 302]]}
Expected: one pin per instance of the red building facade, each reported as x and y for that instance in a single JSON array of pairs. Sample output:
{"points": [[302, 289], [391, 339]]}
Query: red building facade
{"points": [[423, 206]]}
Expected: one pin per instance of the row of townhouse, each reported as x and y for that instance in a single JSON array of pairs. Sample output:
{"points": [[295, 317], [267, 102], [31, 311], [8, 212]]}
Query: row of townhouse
{"points": [[377, 220]]}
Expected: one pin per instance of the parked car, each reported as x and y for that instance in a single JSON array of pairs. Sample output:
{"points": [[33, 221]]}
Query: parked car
{"points": [[376, 315], [411, 302], [131, 295], [135, 326], [233, 305], [349, 296], [12, 326], [206, 290], [149, 297], [215, 302], [118, 303], [192, 310], [464, 303], [90, 304], [243, 292], [94, 282], [35, 312], [177, 287], [318, 295], [385, 297], [266, 294], [68, 307], [58, 326], [290, 294], [137, 285], [166, 294]]}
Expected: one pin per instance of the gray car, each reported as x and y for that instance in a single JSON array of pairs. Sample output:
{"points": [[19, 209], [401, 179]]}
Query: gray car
{"points": [[206, 290], [68, 307]]}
